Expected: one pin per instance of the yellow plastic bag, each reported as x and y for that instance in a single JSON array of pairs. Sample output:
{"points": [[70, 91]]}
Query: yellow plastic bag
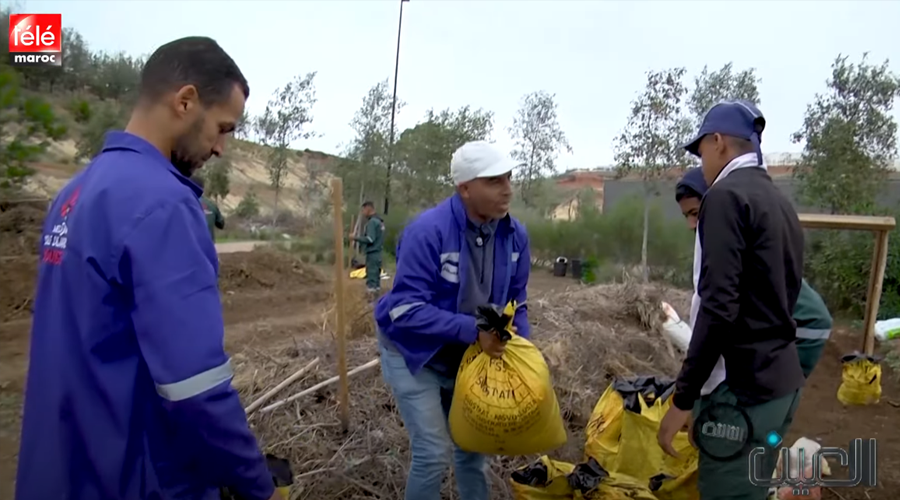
{"points": [[506, 406], [860, 380], [542, 480], [549, 479], [621, 436], [604, 428], [620, 487], [358, 274]]}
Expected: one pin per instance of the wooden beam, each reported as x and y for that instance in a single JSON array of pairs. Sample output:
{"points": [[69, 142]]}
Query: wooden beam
{"points": [[873, 297], [854, 222], [337, 199]]}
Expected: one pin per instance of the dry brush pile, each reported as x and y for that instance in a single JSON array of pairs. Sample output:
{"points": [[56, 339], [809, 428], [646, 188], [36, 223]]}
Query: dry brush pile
{"points": [[588, 335]]}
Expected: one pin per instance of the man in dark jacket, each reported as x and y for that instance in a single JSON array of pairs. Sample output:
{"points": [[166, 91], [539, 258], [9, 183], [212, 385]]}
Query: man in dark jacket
{"points": [[372, 244], [748, 266], [813, 320], [214, 218]]}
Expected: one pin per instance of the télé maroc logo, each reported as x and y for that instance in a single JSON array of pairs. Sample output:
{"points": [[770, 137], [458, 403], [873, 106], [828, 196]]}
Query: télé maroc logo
{"points": [[35, 40]]}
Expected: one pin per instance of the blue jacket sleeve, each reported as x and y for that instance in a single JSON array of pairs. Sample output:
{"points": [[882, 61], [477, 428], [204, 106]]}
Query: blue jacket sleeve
{"points": [[178, 321], [518, 288], [411, 309]]}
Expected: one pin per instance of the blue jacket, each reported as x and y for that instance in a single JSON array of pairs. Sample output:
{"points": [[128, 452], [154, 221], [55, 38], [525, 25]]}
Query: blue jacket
{"points": [[129, 392], [419, 314]]}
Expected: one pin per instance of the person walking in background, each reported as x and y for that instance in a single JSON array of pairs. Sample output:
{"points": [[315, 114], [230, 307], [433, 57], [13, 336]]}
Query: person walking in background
{"points": [[466, 252], [214, 218], [811, 315], [748, 264], [129, 387], [372, 244]]}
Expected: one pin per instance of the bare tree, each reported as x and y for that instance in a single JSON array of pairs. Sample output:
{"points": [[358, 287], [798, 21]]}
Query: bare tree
{"points": [[649, 144], [285, 120], [539, 139]]}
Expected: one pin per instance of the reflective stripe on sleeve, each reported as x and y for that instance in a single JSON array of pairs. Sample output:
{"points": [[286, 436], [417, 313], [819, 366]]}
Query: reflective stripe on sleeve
{"points": [[198, 384]]}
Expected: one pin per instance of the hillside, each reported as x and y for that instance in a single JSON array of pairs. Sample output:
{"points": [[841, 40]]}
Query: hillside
{"points": [[304, 187]]}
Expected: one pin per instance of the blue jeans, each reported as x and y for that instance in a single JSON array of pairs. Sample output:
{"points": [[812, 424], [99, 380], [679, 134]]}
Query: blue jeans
{"points": [[424, 403]]}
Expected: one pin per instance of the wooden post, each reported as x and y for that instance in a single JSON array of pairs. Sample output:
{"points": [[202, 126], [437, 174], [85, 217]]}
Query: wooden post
{"points": [[873, 298], [881, 227], [337, 199]]}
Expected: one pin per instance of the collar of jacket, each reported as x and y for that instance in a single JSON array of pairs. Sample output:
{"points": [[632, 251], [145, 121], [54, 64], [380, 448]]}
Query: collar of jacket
{"points": [[748, 160], [121, 140], [461, 216]]}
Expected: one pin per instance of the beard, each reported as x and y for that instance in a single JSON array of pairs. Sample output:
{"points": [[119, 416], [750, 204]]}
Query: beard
{"points": [[187, 156]]}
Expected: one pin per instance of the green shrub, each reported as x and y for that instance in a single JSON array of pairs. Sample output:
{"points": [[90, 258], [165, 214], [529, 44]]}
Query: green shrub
{"points": [[394, 223], [612, 240], [81, 110], [604, 242], [838, 263], [248, 206]]}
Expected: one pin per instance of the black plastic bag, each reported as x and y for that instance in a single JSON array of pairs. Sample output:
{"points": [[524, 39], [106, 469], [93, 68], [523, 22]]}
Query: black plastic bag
{"points": [[856, 356], [657, 481], [490, 318], [650, 387], [587, 476], [535, 475]]}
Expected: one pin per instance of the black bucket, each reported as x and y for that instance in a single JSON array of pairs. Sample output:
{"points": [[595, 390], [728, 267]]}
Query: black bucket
{"points": [[576, 268], [560, 266]]}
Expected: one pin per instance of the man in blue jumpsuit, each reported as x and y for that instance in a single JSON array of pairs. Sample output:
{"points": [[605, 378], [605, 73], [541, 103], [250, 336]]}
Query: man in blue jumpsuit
{"points": [[129, 392], [461, 254]]}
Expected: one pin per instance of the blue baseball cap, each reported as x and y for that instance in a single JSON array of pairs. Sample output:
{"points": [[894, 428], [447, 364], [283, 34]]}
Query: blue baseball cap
{"points": [[692, 185], [735, 118]]}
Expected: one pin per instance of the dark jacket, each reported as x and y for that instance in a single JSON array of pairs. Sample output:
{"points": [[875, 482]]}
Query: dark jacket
{"points": [[372, 240], [750, 279]]}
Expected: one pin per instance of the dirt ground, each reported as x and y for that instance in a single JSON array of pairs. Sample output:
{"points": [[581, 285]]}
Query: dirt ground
{"points": [[269, 299]]}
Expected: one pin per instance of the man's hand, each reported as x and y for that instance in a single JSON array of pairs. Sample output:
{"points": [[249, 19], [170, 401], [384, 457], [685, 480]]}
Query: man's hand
{"points": [[674, 421], [491, 343]]}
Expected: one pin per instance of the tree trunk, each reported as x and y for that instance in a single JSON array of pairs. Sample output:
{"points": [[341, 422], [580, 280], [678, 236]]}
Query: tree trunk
{"points": [[645, 271], [275, 209]]}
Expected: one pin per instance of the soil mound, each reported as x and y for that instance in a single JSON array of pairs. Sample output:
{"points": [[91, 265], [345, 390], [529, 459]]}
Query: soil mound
{"points": [[20, 230], [264, 268]]}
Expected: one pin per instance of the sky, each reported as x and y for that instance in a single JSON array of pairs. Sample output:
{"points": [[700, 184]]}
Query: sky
{"points": [[593, 55]]}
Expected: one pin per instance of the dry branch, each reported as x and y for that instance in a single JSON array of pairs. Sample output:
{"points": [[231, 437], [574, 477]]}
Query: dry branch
{"points": [[332, 380], [278, 388]]}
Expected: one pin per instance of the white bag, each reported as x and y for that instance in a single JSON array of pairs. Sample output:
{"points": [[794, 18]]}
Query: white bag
{"points": [[887, 329], [675, 329]]}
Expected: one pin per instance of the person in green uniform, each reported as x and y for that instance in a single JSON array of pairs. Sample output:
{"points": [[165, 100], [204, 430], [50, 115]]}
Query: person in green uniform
{"points": [[814, 322], [214, 218], [371, 243]]}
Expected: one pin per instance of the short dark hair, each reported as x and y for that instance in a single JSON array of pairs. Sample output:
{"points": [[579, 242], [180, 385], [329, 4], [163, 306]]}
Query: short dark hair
{"points": [[740, 145], [368, 204], [194, 60], [683, 191]]}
